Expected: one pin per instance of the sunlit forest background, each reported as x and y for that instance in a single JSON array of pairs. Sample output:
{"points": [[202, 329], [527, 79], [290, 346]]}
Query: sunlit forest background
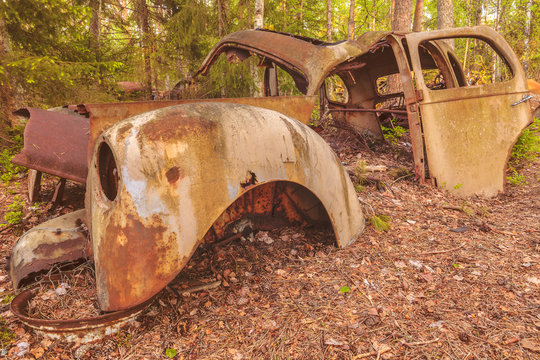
{"points": [[68, 51]]}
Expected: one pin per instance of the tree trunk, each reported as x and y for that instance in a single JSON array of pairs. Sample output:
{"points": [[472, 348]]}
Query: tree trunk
{"points": [[259, 14], [7, 103], [401, 20], [350, 32], [445, 17], [258, 24], [418, 16], [146, 43], [329, 20], [496, 75], [527, 50], [95, 27], [221, 17]]}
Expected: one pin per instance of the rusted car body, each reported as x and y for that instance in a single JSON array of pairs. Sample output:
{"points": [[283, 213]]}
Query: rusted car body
{"points": [[461, 135], [165, 176], [162, 182]]}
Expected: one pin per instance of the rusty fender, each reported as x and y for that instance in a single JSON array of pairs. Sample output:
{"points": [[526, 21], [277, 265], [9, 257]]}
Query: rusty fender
{"points": [[55, 241], [162, 182]]}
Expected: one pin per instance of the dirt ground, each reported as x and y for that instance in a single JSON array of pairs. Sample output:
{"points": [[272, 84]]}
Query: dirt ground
{"points": [[451, 279]]}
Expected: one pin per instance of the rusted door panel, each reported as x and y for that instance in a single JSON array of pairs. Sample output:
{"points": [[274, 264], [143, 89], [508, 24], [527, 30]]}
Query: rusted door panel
{"points": [[55, 143], [413, 115], [469, 131], [468, 153], [180, 168]]}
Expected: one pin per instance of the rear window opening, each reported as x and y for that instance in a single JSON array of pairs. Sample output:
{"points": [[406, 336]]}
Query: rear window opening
{"points": [[472, 62]]}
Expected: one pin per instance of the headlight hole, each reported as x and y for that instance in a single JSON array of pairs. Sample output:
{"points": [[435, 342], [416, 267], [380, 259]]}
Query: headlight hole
{"points": [[107, 171]]}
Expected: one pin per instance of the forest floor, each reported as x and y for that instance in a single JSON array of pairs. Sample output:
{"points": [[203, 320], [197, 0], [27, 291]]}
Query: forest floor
{"points": [[452, 278]]}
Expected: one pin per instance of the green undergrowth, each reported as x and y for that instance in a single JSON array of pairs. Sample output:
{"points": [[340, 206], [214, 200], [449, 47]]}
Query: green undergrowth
{"points": [[525, 150], [527, 147], [15, 213], [393, 133], [6, 335], [380, 222], [8, 169]]}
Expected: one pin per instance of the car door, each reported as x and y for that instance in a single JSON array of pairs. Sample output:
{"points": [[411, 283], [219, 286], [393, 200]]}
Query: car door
{"points": [[469, 129]]}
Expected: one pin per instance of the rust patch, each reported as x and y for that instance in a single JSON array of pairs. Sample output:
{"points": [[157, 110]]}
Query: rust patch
{"points": [[175, 124], [45, 250], [250, 180], [149, 257], [173, 174]]}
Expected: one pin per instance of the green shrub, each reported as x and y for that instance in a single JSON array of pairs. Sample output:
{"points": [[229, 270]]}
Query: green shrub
{"points": [[516, 179], [393, 133], [15, 214], [8, 169], [527, 147]]}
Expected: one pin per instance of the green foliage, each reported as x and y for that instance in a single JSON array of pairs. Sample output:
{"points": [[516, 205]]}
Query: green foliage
{"points": [[516, 179], [170, 353], [344, 289], [527, 147], [8, 169], [525, 150], [393, 133], [123, 338], [15, 214], [51, 60], [230, 80], [359, 187], [380, 222], [6, 335], [8, 299]]}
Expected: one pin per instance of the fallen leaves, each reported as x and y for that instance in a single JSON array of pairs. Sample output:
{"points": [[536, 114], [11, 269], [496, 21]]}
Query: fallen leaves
{"points": [[532, 344]]}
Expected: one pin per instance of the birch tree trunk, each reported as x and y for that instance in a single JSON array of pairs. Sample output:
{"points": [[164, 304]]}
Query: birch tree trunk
{"points": [[350, 32], [527, 50], [418, 16], [258, 24], [329, 20], [259, 14]]}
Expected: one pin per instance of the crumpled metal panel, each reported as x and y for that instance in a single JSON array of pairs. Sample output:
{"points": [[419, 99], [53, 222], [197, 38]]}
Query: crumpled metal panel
{"points": [[55, 143], [180, 168], [62, 239]]}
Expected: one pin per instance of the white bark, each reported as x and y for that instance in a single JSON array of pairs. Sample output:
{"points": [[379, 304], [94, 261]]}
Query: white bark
{"points": [[527, 49], [259, 14]]}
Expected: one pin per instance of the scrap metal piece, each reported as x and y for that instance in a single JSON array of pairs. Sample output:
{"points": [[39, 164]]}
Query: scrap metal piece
{"points": [[73, 330], [55, 143], [59, 240], [160, 180]]}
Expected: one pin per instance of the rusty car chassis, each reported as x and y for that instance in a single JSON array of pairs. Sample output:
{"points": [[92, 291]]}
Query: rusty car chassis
{"points": [[163, 177]]}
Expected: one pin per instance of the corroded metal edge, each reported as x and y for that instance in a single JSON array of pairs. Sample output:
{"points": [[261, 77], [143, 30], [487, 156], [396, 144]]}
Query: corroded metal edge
{"points": [[72, 330]]}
